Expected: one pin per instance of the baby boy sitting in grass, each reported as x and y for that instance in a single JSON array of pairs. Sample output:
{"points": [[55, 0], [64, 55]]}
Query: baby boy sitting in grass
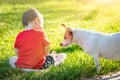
{"points": [[32, 44]]}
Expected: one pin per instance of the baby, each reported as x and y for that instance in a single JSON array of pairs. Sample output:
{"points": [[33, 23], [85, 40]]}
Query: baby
{"points": [[32, 44]]}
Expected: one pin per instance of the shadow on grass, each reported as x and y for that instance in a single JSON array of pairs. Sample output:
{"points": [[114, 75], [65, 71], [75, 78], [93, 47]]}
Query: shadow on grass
{"points": [[68, 49], [6, 71]]}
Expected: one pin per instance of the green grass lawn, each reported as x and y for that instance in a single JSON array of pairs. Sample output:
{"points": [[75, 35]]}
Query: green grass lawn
{"points": [[94, 15]]}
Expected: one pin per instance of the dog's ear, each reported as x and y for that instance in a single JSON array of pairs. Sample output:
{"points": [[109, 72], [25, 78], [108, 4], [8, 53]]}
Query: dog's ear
{"points": [[66, 27]]}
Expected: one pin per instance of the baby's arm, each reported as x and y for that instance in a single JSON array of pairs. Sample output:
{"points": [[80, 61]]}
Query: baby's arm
{"points": [[46, 44], [47, 49], [16, 51]]}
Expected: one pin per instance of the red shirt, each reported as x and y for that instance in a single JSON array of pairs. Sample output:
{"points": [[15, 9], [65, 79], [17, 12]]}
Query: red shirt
{"points": [[30, 45]]}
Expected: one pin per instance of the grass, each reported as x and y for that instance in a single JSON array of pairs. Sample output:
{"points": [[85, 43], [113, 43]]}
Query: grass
{"points": [[89, 14]]}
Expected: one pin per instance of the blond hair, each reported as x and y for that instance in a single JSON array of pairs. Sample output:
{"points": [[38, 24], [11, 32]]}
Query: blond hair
{"points": [[30, 15]]}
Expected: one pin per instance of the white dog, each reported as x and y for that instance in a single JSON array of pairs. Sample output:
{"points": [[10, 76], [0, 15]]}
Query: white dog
{"points": [[96, 44]]}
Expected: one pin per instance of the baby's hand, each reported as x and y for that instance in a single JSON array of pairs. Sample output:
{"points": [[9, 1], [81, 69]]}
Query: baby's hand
{"points": [[53, 54]]}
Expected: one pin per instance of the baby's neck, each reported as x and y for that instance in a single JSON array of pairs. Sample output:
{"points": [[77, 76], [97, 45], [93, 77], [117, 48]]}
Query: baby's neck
{"points": [[28, 27], [31, 26]]}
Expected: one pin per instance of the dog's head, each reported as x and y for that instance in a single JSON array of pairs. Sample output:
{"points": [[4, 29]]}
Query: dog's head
{"points": [[68, 36]]}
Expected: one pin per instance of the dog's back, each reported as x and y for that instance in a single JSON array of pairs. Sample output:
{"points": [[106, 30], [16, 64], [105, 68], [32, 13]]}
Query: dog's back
{"points": [[109, 46]]}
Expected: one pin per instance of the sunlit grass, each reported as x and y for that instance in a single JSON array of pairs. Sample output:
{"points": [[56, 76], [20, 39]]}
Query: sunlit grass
{"points": [[89, 14]]}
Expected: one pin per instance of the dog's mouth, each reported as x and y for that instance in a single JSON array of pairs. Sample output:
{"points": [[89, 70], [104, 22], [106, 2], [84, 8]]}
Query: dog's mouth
{"points": [[65, 44]]}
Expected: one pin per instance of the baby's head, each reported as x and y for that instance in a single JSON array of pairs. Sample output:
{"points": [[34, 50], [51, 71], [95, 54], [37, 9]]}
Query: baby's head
{"points": [[32, 18]]}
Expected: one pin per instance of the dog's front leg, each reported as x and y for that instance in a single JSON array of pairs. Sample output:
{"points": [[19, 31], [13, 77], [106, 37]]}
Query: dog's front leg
{"points": [[97, 62]]}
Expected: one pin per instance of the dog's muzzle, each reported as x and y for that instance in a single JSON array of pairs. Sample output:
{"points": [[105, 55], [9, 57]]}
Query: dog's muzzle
{"points": [[64, 44]]}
